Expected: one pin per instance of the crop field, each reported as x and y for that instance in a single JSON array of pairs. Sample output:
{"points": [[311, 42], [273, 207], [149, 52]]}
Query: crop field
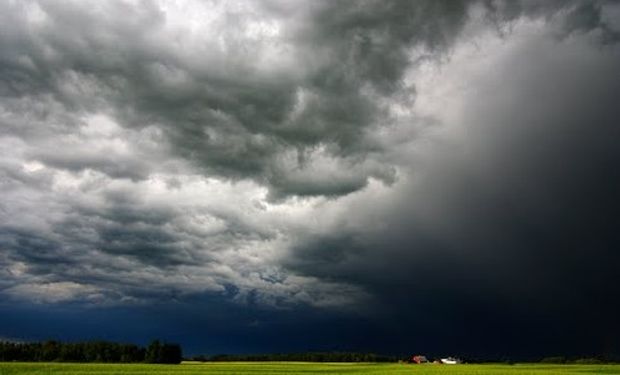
{"points": [[282, 368]]}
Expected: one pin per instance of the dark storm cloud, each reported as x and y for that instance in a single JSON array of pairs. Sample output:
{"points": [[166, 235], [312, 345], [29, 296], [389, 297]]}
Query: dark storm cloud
{"points": [[95, 95], [236, 120], [512, 221], [454, 163]]}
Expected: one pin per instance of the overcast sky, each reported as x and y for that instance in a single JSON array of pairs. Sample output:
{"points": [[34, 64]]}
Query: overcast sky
{"points": [[392, 176]]}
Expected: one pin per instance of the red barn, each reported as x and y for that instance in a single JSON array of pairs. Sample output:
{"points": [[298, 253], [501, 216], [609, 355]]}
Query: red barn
{"points": [[419, 359]]}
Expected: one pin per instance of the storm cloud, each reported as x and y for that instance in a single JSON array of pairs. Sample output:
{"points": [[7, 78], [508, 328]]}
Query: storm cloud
{"points": [[448, 165]]}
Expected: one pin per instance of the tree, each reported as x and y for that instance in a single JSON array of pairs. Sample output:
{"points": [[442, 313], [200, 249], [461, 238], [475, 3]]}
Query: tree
{"points": [[91, 351], [153, 352], [170, 353]]}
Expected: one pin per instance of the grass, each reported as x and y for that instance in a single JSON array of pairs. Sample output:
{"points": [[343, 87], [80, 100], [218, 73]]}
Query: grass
{"points": [[283, 368]]}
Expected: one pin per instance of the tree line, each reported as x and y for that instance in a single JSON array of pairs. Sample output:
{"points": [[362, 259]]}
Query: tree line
{"points": [[298, 357], [90, 351], [580, 360]]}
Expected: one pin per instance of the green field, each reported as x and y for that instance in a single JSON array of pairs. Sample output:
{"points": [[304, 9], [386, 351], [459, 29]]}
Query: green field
{"points": [[282, 368]]}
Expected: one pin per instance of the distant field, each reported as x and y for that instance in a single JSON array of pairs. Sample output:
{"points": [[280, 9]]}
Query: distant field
{"points": [[283, 368]]}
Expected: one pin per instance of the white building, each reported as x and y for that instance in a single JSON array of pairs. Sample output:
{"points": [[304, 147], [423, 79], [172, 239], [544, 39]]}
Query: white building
{"points": [[450, 361]]}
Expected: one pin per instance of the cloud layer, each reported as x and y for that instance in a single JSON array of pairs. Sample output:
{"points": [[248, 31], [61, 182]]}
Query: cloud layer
{"points": [[337, 155]]}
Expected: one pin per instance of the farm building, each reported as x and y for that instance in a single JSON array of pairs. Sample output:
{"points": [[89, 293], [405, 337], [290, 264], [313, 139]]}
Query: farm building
{"points": [[450, 361], [419, 359]]}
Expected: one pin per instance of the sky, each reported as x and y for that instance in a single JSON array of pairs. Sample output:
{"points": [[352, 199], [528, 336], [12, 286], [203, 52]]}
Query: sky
{"points": [[267, 176]]}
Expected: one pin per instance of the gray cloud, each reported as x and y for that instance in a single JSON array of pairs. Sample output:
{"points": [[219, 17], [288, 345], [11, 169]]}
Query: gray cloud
{"points": [[512, 203], [322, 154], [260, 85]]}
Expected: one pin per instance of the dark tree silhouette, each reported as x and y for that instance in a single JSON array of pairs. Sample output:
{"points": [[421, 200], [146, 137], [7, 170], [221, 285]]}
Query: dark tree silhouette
{"points": [[91, 351]]}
